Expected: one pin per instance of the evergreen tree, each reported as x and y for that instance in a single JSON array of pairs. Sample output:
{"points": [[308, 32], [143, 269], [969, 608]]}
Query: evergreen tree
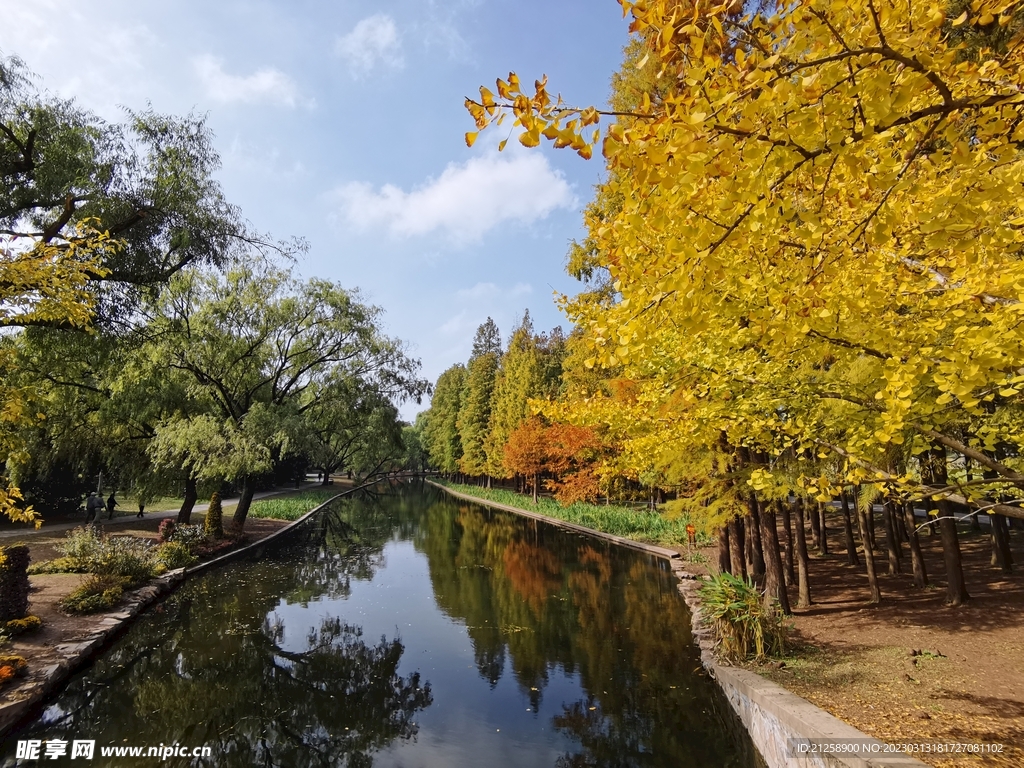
{"points": [[520, 377], [441, 432], [475, 415], [487, 340]]}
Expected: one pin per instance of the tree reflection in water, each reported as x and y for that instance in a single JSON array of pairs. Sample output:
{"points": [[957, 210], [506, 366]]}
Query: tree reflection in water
{"points": [[263, 661]]}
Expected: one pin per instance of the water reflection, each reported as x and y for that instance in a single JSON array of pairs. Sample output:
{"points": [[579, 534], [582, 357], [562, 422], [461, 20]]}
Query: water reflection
{"points": [[501, 642]]}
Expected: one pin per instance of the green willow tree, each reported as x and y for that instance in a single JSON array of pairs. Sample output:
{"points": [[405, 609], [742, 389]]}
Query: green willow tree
{"points": [[441, 431]]}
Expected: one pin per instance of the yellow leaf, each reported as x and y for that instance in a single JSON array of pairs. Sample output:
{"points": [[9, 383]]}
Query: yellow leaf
{"points": [[471, 138]]}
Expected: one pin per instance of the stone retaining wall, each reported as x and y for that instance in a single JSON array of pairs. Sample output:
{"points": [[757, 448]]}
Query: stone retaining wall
{"points": [[772, 715]]}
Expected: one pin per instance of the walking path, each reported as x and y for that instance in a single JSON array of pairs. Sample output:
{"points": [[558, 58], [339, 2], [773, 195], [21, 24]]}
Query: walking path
{"points": [[132, 519]]}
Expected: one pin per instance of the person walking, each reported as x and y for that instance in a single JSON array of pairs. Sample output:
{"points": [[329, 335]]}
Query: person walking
{"points": [[142, 508], [93, 507], [111, 503]]}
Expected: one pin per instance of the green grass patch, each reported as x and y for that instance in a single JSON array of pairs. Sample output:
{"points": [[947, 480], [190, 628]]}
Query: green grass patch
{"points": [[291, 507], [628, 522]]}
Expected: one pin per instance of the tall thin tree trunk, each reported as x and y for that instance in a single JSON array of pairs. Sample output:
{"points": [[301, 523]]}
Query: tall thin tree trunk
{"points": [[956, 586], [822, 529], [536, 487], [869, 556], [244, 501], [1001, 554], [803, 562], [892, 544], [191, 494], [724, 558], [815, 521], [916, 559], [736, 544], [757, 560], [851, 543], [787, 528], [774, 578]]}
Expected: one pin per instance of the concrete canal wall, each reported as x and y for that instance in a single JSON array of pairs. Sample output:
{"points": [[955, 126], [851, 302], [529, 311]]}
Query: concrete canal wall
{"points": [[775, 718]]}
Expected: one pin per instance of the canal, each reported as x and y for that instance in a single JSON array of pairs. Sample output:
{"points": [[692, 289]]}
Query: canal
{"points": [[403, 627]]}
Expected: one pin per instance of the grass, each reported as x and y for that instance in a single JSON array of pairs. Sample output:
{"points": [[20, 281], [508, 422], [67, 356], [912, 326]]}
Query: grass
{"points": [[628, 522], [293, 506]]}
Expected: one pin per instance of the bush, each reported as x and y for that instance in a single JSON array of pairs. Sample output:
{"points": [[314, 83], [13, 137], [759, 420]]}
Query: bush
{"points": [[16, 627], [13, 582], [174, 554], [86, 551], [745, 623], [57, 565], [11, 667], [166, 529], [97, 593], [213, 525], [192, 536], [81, 549]]}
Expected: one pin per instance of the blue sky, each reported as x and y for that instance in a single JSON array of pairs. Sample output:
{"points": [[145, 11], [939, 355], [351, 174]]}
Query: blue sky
{"points": [[342, 122]]}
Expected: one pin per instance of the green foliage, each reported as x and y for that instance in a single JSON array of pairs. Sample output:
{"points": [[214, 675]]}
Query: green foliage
{"points": [[746, 624], [175, 554], [57, 565], [441, 432], [191, 536], [23, 626], [291, 507], [475, 414], [97, 593], [87, 551], [213, 524], [630, 523], [14, 585]]}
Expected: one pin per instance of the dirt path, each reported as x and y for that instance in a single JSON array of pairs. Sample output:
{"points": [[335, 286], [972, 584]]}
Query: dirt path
{"points": [[965, 685]]}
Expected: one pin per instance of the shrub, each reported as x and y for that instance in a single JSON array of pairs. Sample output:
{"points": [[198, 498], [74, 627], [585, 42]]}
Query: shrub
{"points": [[13, 582], [87, 551], [97, 593], [166, 529], [81, 548], [16, 627], [213, 525], [745, 623], [174, 554], [11, 667], [190, 535], [57, 565], [128, 557]]}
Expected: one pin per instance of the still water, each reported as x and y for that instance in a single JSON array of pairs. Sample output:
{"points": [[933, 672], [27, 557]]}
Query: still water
{"points": [[405, 628]]}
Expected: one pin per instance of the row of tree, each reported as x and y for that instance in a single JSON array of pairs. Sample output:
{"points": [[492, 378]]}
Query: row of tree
{"points": [[804, 267], [153, 337]]}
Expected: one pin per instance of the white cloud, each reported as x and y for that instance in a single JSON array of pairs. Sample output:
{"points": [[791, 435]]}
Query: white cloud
{"points": [[264, 86], [464, 202], [374, 40], [490, 291]]}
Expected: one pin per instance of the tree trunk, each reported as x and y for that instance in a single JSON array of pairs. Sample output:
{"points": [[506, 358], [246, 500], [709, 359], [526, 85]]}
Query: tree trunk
{"points": [[851, 543], [536, 487], [916, 559], [787, 527], [774, 578], [822, 530], [739, 562], [244, 502], [1001, 555], [956, 587], [803, 562], [724, 560], [191, 494], [869, 556], [815, 521], [892, 544], [757, 560]]}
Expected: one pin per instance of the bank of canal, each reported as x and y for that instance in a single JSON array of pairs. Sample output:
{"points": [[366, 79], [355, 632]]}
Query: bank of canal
{"points": [[405, 627]]}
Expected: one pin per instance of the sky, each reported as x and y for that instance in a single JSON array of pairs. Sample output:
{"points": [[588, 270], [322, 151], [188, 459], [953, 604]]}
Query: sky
{"points": [[343, 123]]}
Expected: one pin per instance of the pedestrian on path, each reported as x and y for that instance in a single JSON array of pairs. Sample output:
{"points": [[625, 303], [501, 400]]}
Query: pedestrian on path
{"points": [[142, 508], [111, 503], [93, 507]]}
